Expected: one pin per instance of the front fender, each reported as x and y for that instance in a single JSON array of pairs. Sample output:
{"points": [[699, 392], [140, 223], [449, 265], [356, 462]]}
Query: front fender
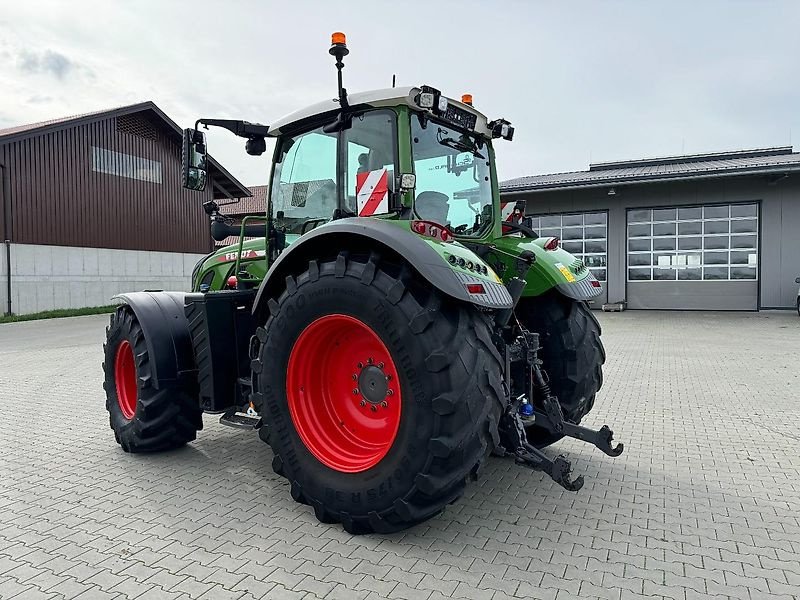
{"points": [[166, 334], [552, 269], [359, 234]]}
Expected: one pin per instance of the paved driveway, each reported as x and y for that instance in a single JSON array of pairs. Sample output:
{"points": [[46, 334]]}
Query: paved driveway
{"points": [[705, 502]]}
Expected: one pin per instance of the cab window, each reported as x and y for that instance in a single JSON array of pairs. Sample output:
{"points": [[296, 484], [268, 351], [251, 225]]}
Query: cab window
{"points": [[369, 156], [304, 183]]}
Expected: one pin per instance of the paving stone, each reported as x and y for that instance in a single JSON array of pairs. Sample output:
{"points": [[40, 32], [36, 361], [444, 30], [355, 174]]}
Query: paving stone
{"points": [[703, 503]]}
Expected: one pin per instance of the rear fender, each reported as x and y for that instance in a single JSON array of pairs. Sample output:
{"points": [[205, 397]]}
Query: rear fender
{"points": [[166, 333], [389, 240]]}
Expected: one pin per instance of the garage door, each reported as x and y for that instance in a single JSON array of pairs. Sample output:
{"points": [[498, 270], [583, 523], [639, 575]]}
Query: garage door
{"points": [[583, 234], [694, 257]]}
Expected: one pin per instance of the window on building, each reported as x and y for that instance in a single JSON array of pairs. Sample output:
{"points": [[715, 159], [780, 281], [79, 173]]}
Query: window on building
{"points": [[583, 234], [697, 243], [125, 165]]}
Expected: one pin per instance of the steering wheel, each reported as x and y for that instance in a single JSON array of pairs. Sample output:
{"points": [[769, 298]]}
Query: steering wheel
{"points": [[311, 221], [521, 228]]}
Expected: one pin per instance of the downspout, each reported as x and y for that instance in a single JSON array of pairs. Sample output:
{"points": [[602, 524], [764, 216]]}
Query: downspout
{"points": [[4, 183]]}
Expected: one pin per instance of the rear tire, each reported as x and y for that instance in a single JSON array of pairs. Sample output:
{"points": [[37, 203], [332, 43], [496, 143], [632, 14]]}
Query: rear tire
{"points": [[449, 394], [143, 418], [572, 355]]}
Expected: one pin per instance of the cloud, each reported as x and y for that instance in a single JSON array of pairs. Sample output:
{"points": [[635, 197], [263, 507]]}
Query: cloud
{"points": [[45, 62]]}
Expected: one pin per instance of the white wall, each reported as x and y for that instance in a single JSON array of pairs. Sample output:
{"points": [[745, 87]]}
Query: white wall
{"points": [[50, 277]]}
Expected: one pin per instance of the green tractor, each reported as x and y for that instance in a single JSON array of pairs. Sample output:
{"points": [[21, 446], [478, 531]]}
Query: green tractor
{"points": [[386, 330]]}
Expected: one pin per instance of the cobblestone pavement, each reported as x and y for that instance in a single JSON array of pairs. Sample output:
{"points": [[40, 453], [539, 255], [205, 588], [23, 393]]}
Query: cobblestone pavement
{"points": [[705, 501]]}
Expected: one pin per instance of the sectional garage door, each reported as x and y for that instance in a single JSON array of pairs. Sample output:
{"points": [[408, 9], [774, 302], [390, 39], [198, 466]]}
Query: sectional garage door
{"points": [[583, 234], [694, 257]]}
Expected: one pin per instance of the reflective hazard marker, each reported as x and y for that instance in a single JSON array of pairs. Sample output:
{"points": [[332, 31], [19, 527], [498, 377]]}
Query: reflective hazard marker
{"points": [[372, 192]]}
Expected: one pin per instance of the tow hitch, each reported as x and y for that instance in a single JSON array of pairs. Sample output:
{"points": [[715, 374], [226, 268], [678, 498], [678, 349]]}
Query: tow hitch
{"points": [[546, 413]]}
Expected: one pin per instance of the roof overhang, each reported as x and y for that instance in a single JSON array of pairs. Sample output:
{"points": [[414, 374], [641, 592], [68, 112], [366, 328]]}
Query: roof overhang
{"points": [[624, 181]]}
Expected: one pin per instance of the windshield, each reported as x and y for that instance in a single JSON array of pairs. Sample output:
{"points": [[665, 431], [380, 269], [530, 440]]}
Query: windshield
{"points": [[453, 186]]}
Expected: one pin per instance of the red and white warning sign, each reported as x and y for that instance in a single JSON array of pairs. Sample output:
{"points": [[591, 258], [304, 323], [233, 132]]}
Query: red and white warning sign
{"points": [[372, 192]]}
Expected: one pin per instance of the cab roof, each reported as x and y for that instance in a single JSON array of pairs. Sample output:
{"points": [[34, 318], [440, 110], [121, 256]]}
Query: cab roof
{"points": [[375, 98]]}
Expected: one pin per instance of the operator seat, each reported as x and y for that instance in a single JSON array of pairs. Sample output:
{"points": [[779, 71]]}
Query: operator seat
{"points": [[432, 206]]}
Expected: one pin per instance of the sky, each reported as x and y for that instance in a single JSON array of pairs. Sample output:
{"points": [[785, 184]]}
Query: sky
{"points": [[581, 81]]}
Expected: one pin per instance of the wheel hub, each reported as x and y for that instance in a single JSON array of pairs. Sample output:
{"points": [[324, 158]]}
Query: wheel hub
{"points": [[372, 384], [125, 379], [343, 393]]}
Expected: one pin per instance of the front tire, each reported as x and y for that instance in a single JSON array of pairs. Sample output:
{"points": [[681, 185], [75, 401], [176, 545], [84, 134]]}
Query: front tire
{"points": [[572, 355], [143, 418], [409, 403]]}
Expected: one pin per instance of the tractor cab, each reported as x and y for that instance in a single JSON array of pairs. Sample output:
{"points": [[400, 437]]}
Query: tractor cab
{"points": [[407, 153]]}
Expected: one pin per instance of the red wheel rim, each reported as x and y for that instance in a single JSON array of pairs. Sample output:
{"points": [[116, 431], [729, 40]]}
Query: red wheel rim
{"points": [[125, 379], [343, 393]]}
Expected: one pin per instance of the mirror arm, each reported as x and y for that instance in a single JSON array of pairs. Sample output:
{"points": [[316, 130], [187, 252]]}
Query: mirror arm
{"points": [[240, 128]]}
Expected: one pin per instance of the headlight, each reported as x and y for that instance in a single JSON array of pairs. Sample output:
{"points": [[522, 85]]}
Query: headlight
{"points": [[425, 100]]}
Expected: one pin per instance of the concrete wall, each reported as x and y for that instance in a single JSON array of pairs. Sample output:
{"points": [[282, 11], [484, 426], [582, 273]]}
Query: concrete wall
{"points": [[50, 277], [779, 256]]}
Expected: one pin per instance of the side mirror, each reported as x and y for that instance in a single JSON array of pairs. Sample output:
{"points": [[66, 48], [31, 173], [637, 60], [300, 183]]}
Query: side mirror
{"points": [[194, 167]]}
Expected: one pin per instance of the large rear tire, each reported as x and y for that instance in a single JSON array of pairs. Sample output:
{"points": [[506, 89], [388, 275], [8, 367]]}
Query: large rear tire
{"points": [[380, 398], [144, 419], [572, 354]]}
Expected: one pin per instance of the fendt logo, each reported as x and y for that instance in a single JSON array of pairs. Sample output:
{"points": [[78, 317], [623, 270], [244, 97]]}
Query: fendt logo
{"points": [[246, 254]]}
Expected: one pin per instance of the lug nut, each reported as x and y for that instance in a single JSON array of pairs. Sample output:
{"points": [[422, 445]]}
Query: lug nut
{"points": [[355, 377], [360, 365], [384, 404], [389, 392], [369, 360], [373, 408], [380, 365], [388, 378], [355, 391], [363, 403]]}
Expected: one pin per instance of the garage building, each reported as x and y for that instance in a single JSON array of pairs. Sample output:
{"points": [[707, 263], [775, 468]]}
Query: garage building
{"points": [[711, 231], [93, 205]]}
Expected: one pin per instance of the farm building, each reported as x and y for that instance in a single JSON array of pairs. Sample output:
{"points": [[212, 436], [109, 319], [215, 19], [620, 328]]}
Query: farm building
{"points": [[711, 231], [93, 205]]}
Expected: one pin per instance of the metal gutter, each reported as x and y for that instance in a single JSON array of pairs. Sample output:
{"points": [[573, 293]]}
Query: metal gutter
{"points": [[646, 179]]}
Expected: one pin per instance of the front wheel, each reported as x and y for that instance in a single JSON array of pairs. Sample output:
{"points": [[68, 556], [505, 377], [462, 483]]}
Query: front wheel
{"points": [[143, 418], [380, 398], [572, 354]]}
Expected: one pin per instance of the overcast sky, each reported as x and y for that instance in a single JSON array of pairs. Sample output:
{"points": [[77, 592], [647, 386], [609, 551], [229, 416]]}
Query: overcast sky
{"points": [[580, 81]]}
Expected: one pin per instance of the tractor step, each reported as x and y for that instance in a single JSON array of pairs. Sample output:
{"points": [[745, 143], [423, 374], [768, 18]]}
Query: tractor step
{"points": [[240, 420]]}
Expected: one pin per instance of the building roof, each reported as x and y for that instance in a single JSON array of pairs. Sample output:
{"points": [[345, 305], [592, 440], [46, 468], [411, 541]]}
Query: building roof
{"points": [[253, 205], [776, 160], [225, 184]]}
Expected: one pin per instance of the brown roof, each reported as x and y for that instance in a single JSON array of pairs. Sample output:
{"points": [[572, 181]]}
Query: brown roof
{"points": [[225, 184], [254, 205], [230, 241], [43, 124]]}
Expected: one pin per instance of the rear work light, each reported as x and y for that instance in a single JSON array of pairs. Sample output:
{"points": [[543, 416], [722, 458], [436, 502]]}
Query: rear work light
{"points": [[431, 230], [596, 283], [552, 243], [475, 288]]}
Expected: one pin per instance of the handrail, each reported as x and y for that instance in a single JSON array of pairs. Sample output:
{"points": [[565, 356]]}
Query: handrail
{"points": [[241, 244]]}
